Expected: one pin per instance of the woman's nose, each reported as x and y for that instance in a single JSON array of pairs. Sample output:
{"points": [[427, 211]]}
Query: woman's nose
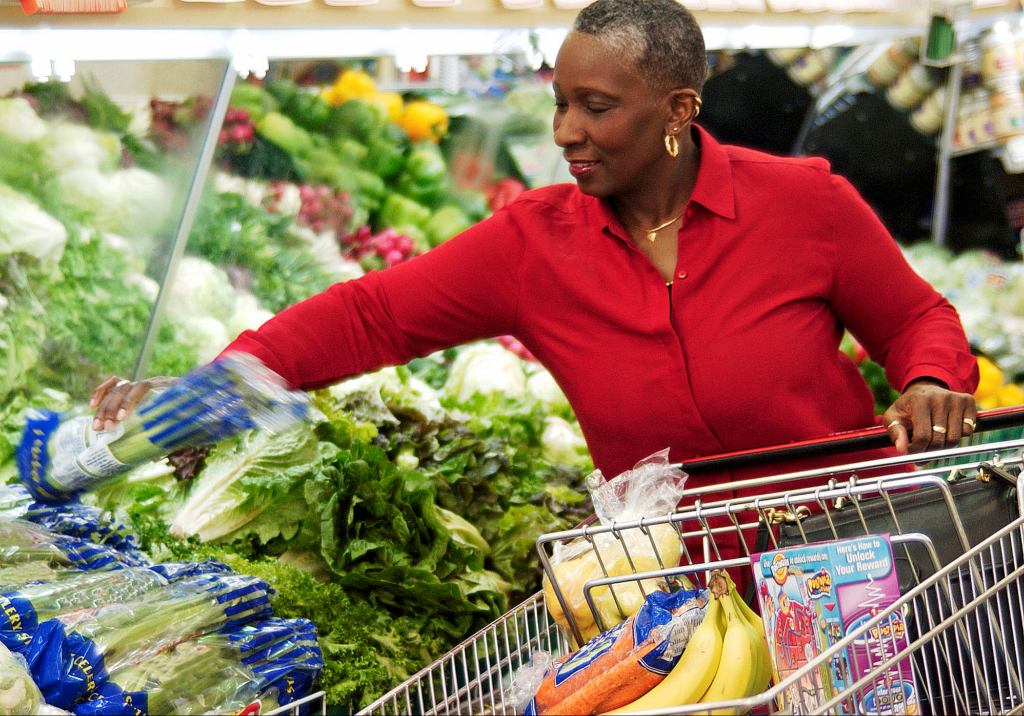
{"points": [[567, 130]]}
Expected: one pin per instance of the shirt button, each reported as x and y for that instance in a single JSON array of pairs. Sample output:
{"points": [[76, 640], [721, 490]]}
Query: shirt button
{"points": [[689, 213], [681, 274]]}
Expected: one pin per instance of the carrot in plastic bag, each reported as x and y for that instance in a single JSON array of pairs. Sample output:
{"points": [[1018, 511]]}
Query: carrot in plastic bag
{"points": [[625, 662]]}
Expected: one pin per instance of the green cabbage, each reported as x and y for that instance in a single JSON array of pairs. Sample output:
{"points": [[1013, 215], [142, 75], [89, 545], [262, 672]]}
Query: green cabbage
{"points": [[485, 369], [27, 229], [19, 121]]}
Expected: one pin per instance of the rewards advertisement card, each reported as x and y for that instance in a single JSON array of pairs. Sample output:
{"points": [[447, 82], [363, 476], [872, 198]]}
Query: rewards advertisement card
{"points": [[813, 595]]}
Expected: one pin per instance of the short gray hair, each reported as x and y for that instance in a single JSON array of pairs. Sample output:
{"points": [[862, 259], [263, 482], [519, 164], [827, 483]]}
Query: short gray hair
{"points": [[661, 36]]}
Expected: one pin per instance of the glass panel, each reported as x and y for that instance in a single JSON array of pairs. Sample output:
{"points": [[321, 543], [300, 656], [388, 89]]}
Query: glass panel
{"points": [[93, 180]]}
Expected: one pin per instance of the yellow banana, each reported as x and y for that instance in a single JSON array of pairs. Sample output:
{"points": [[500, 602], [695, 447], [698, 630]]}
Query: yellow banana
{"points": [[738, 669], [695, 670], [757, 627]]}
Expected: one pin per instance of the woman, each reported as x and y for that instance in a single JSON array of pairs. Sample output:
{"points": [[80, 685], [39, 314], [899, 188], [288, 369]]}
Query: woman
{"points": [[683, 294]]}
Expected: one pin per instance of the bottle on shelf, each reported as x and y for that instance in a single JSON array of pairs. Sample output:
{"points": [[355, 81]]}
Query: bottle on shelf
{"points": [[999, 55], [927, 117], [1007, 105], [912, 86], [890, 64]]}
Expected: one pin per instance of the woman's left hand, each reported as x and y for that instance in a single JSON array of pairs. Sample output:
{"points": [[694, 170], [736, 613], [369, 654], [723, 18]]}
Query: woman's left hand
{"points": [[928, 416]]}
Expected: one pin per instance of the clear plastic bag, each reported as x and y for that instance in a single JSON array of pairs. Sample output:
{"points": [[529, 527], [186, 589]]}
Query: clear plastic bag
{"points": [[62, 456], [616, 668], [651, 489], [18, 692]]}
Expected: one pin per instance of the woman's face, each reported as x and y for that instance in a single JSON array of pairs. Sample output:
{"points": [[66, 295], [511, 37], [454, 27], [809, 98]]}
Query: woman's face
{"points": [[608, 121]]}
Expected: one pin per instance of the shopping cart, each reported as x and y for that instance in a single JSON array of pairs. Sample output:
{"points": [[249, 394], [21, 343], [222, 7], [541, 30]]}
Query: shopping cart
{"points": [[964, 611], [315, 703]]}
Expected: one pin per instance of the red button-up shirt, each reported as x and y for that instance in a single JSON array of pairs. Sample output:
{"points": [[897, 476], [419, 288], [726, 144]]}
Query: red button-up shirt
{"points": [[776, 257]]}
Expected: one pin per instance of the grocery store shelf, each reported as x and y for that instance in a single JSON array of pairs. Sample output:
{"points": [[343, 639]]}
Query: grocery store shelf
{"points": [[403, 13], [120, 43]]}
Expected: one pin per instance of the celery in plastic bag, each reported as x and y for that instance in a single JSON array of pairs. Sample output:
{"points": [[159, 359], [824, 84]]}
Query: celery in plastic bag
{"points": [[71, 656], [25, 608], [58, 459]]}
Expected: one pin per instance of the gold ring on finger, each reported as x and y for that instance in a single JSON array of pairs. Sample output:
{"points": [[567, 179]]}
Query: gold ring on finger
{"points": [[938, 429], [968, 421], [119, 383], [893, 424]]}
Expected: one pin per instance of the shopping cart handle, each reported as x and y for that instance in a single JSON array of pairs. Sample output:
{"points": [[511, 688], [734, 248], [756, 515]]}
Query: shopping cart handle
{"points": [[836, 444]]}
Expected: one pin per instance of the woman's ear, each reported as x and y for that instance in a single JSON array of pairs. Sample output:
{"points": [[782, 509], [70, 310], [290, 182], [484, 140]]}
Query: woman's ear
{"points": [[685, 106]]}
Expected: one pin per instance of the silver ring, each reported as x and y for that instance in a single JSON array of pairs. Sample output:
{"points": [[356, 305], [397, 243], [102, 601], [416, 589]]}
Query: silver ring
{"points": [[893, 424], [970, 422], [938, 429]]}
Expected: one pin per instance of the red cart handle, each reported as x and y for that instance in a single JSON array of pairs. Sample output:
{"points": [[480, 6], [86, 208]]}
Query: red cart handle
{"points": [[838, 443]]}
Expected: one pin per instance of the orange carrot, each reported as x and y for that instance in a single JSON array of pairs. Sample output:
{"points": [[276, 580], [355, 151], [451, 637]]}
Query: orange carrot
{"points": [[626, 676]]}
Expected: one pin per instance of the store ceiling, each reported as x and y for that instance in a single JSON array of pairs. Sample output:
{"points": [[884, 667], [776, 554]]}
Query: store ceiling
{"points": [[166, 29]]}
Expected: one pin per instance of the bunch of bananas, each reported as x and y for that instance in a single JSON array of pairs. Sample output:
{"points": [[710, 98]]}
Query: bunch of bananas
{"points": [[726, 658]]}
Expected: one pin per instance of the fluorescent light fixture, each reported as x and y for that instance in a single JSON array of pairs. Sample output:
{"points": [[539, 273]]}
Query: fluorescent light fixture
{"points": [[64, 69], [40, 68], [830, 35], [757, 36]]}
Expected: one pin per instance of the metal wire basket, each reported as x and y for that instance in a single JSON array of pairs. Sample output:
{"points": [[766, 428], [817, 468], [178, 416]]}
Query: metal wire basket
{"points": [[967, 669]]}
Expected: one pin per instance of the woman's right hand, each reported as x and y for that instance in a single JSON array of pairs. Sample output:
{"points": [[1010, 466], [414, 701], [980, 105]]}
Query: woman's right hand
{"points": [[115, 398]]}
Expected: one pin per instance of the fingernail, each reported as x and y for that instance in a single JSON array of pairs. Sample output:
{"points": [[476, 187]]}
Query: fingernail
{"points": [[121, 414], [97, 424]]}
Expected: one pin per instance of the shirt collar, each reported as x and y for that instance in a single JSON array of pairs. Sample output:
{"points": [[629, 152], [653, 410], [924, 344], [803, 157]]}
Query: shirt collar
{"points": [[713, 190]]}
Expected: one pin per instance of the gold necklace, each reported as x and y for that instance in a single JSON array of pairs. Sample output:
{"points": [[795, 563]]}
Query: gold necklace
{"points": [[652, 234]]}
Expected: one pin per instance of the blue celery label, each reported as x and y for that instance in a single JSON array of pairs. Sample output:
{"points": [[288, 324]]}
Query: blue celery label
{"points": [[19, 622], [32, 455]]}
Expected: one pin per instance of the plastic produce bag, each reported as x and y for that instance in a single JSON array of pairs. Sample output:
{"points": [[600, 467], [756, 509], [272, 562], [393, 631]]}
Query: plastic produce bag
{"points": [[60, 457], [26, 607], [71, 656], [21, 542], [651, 489], [271, 661], [72, 519], [620, 665], [18, 692]]}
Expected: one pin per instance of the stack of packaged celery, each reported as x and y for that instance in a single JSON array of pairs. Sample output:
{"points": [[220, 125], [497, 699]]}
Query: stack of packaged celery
{"points": [[90, 626]]}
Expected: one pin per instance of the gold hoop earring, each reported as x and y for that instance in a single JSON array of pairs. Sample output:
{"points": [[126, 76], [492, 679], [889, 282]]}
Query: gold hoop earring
{"points": [[696, 110], [672, 145]]}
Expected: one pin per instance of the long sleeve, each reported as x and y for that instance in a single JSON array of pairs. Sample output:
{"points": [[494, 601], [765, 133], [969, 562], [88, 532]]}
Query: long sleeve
{"points": [[905, 325], [461, 291]]}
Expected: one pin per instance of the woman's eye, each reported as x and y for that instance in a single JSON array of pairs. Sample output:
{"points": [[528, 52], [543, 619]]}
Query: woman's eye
{"points": [[597, 109]]}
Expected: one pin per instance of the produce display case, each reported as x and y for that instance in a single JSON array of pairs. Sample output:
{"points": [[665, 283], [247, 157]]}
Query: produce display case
{"points": [[959, 580]]}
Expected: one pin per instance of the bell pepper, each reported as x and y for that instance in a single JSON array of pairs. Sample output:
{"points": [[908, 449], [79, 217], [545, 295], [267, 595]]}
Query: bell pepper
{"points": [[350, 151], [283, 132], [308, 110], [383, 158], [425, 177], [399, 210], [393, 102], [445, 223], [473, 203], [357, 119], [424, 120], [282, 90], [369, 185], [253, 99], [353, 84]]}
